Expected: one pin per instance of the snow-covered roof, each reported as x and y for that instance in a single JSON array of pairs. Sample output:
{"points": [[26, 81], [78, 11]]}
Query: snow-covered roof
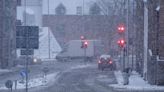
{"points": [[105, 56]]}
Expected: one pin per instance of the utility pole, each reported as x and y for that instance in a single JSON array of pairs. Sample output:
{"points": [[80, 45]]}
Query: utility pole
{"points": [[49, 39], [26, 65], [128, 38]]}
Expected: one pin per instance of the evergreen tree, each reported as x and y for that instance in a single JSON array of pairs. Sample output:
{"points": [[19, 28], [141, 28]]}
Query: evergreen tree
{"points": [[95, 9], [60, 9]]}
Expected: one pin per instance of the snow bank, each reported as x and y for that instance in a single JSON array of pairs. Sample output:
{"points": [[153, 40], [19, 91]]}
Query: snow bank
{"points": [[135, 83], [81, 66], [5, 71], [40, 81]]}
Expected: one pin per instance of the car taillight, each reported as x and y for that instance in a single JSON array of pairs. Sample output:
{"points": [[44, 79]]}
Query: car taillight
{"points": [[99, 61], [110, 62]]}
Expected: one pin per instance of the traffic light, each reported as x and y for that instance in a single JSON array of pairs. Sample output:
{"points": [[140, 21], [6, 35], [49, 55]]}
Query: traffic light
{"points": [[82, 37], [84, 44], [121, 43], [121, 29]]}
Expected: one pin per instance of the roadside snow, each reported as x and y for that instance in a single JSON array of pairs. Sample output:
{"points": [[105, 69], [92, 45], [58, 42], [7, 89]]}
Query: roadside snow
{"points": [[40, 81], [119, 77], [81, 66], [135, 83], [4, 71]]}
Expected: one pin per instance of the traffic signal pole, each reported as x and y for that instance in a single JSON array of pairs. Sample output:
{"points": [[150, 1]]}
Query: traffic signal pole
{"points": [[85, 54], [124, 58]]}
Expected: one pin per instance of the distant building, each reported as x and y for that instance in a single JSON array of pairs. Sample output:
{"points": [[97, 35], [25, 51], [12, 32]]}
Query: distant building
{"points": [[72, 27], [7, 32], [32, 13], [72, 6]]}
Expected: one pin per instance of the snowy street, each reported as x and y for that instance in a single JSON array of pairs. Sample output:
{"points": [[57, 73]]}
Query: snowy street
{"points": [[81, 45], [72, 76]]}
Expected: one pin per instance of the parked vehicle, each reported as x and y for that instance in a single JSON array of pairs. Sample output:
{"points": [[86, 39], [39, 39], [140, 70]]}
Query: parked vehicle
{"points": [[105, 61]]}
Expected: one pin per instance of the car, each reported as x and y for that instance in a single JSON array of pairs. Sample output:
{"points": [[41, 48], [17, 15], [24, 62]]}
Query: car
{"points": [[105, 61]]}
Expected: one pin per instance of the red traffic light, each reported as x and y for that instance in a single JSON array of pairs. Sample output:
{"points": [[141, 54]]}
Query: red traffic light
{"points": [[121, 29], [84, 44], [82, 37], [118, 42], [121, 43]]}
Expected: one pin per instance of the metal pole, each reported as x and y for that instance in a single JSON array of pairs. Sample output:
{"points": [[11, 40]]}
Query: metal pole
{"points": [[127, 23], [85, 54], [133, 40], [157, 45], [49, 42], [123, 58], [26, 67]]}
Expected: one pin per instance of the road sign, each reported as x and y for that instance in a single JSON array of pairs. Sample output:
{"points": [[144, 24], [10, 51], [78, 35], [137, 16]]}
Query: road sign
{"points": [[9, 84], [27, 37], [23, 73], [27, 52]]}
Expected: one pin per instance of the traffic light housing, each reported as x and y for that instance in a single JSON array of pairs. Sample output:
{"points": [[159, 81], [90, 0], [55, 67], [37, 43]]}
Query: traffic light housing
{"points": [[121, 43], [121, 29], [82, 37], [84, 44]]}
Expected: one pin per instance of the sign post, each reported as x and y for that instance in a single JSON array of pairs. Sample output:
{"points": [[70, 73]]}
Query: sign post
{"points": [[45, 71], [9, 84], [27, 38]]}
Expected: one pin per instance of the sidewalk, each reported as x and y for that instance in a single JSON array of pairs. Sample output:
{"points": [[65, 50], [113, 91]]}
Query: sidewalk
{"points": [[136, 83]]}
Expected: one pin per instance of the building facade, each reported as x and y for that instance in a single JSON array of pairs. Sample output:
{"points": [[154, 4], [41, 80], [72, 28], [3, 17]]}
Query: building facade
{"points": [[72, 27], [7, 32], [150, 30]]}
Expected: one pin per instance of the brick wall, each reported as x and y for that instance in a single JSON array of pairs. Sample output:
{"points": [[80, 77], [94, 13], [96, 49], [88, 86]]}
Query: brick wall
{"points": [[155, 43], [161, 30]]}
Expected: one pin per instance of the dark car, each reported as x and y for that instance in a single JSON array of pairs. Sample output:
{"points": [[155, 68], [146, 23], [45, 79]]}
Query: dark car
{"points": [[105, 61]]}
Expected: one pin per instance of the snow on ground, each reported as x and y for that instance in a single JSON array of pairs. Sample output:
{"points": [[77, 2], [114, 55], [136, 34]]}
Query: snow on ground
{"points": [[39, 81], [136, 82], [4, 70], [81, 66]]}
